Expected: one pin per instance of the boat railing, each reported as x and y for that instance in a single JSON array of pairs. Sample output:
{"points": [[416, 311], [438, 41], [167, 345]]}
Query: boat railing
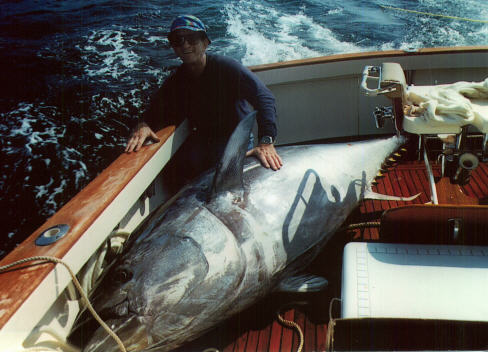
{"points": [[117, 198]]}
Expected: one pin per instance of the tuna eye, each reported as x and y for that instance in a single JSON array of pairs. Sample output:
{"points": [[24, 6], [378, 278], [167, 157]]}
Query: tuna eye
{"points": [[122, 275]]}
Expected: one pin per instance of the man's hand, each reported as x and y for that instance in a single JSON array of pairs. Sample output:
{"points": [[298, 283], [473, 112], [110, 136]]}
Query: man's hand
{"points": [[266, 153], [139, 136]]}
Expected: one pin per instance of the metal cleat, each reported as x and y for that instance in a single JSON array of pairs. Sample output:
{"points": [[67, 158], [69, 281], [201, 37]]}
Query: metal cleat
{"points": [[381, 114]]}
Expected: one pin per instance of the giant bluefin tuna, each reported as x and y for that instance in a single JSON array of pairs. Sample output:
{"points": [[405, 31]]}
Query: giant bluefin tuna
{"points": [[230, 238]]}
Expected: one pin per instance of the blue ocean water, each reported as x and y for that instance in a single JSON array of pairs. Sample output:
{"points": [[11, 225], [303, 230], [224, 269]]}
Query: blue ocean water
{"points": [[76, 75]]}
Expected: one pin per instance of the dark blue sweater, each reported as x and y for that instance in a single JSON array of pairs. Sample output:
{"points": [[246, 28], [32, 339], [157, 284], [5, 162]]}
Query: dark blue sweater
{"points": [[214, 102]]}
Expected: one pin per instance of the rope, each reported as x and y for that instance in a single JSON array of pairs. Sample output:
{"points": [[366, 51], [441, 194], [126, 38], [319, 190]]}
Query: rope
{"points": [[58, 340], [433, 14], [335, 299], [77, 285], [293, 325], [360, 225]]}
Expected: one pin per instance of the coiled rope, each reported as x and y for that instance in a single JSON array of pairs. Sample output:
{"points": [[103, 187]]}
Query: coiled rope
{"points": [[77, 285], [433, 14], [293, 325]]}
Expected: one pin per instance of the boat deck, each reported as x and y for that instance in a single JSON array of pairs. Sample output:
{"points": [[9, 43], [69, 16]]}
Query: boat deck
{"points": [[258, 329]]}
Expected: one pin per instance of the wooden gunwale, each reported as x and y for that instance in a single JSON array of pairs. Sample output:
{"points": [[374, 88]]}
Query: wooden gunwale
{"points": [[79, 213], [369, 55]]}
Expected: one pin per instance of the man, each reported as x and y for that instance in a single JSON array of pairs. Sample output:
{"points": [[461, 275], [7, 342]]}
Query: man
{"points": [[213, 92]]}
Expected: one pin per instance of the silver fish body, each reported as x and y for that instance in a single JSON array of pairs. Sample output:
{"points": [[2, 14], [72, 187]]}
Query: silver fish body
{"points": [[204, 259]]}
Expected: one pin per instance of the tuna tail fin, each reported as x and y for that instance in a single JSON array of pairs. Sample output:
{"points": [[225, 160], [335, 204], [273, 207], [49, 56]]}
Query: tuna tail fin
{"points": [[228, 174]]}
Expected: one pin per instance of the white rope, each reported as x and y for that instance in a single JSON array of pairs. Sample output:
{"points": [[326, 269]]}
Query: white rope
{"points": [[293, 325], [77, 285], [335, 299], [59, 341]]}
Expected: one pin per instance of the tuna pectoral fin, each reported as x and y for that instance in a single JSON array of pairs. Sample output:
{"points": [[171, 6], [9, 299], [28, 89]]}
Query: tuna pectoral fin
{"points": [[303, 283], [368, 194]]}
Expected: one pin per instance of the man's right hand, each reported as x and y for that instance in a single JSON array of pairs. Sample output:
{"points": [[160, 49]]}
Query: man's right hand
{"points": [[139, 136]]}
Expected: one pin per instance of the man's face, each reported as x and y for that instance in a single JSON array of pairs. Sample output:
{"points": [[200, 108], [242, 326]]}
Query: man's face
{"points": [[189, 45]]}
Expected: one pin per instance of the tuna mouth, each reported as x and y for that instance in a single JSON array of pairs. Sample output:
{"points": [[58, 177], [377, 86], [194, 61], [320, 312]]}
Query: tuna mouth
{"points": [[131, 330], [116, 317]]}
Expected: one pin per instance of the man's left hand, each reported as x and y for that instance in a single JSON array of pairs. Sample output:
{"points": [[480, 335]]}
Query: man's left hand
{"points": [[266, 153]]}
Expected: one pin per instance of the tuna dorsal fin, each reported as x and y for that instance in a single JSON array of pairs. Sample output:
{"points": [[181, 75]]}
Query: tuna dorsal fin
{"points": [[228, 174]]}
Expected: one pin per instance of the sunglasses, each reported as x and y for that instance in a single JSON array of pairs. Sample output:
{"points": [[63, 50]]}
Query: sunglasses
{"points": [[176, 40]]}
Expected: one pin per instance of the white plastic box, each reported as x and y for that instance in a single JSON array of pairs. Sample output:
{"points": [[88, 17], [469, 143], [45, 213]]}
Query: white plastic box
{"points": [[415, 281]]}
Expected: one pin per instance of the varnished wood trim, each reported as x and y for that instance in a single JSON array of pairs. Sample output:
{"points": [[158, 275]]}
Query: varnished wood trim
{"points": [[368, 55], [448, 193], [435, 224], [79, 213]]}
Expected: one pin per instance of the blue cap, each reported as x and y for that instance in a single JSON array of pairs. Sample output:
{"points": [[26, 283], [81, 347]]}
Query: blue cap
{"points": [[188, 22]]}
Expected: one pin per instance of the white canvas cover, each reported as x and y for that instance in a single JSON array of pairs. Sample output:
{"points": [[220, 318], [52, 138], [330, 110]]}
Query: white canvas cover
{"points": [[446, 108]]}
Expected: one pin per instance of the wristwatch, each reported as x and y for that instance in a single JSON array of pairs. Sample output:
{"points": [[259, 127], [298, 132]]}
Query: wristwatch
{"points": [[266, 140]]}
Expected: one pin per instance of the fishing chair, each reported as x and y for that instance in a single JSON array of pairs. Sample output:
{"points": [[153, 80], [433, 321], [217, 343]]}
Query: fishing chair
{"points": [[459, 141]]}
